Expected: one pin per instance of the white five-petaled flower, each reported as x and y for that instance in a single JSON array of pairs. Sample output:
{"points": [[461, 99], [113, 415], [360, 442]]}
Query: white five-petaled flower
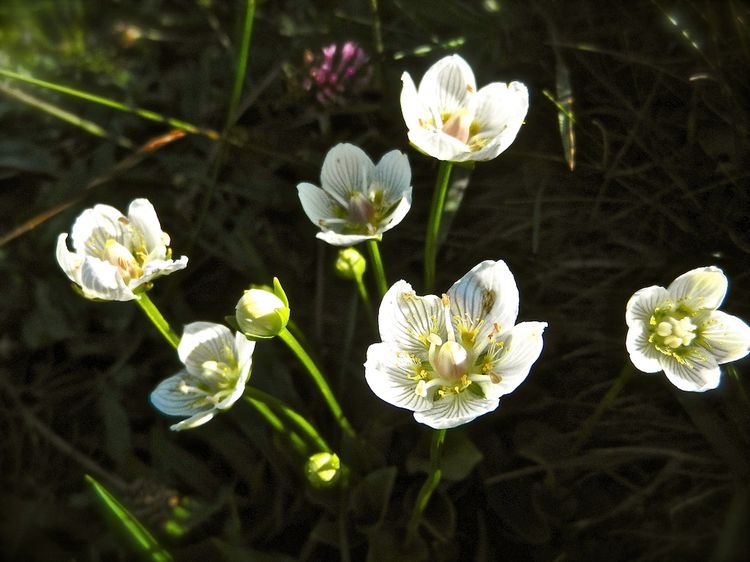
{"points": [[449, 119], [680, 331], [450, 359], [217, 367], [357, 200], [113, 254]]}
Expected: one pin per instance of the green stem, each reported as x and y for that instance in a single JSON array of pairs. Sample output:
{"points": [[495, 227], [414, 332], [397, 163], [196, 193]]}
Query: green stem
{"points": [[239, 80], [277, 425], [365, 296], [255, 394], [433, 479], [433, 224], [150, 310], [319, 380], [377, 266], [604, 404]]}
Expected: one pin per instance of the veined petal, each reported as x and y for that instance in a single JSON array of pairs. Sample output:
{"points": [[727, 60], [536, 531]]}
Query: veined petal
{"points": [[487, 297], [142, 217], [169, 398], [388, 371], [102, 280], [439, 145], [393, 175], [698, 373], [411, 106], [336, 239], [522, 348], [95, 226], [315, 202], [195, 421], [407, 320], [642, 305], [724, 336], [398, 214], [501, 109], [69, 262], [703, 287], [346, 170], [159, 268], [447, 86], [456, 409], [245, 349], [205, 341], [643, 354]]}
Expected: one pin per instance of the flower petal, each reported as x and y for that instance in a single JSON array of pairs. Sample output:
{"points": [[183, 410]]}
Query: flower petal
{"points": [[318, 206], [95, 226], [487, 296], [411, 106], [142, 217], [102, 280], [437, 144], [346, 170], [643, 354], [387, 371], [392, 175], [522, 348], [501, 109], [336, 239], [456, 409], [244, 349], [704, 287], [642, 305], [205, 341], [407, 320], [699, 371], [397, 215], [724, 336], [169, 399], [447, 86], [195, 421], [69, 262]]}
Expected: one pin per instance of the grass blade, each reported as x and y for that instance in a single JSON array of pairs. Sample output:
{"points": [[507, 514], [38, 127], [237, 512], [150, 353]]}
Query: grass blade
{"points": [[143, 539]]}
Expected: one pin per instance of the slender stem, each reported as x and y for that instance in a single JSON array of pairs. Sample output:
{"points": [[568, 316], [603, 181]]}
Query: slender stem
{"points": [[365, 296], [377, 266], [150, 310], [433, 479], [255, 394], [319, 380], [239, 80], [275, 422], [433, 224], [604, 404]]}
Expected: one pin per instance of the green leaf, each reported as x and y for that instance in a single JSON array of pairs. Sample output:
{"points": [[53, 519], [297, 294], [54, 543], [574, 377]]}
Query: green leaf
{"points": [[144, 540]]}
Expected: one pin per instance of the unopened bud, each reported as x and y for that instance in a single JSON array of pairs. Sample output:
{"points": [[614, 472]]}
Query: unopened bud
{"points": [[323, 469], [262, 313], [350, 264]]}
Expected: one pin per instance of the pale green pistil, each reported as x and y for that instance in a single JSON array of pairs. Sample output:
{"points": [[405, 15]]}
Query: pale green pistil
{"points": [[217, 382], [675, 332]]}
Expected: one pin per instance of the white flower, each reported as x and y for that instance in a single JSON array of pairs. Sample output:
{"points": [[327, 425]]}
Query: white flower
{"points": [[217, 367], [449, 119], [113, 254], [450, 359], [358, 200], [678, 330]]}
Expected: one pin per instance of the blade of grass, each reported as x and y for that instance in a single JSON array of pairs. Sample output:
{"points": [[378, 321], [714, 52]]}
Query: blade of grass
{"points": [[140, 112], [64, 115], [125, 164], [145, 541], [239, 80]]}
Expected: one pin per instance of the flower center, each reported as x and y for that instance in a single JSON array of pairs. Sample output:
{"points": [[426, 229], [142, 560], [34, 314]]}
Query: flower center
{"points": [[118, 255], [361, 210], [458, 125], [674, 333]]}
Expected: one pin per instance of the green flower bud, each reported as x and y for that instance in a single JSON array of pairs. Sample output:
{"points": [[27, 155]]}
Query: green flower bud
{"points": [[350, 264], [323, 469], [262, 313]]}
